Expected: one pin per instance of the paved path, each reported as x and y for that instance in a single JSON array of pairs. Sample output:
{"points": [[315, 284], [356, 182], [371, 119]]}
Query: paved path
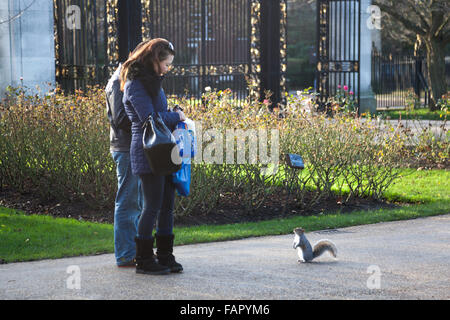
{"points": [[413, 258]]}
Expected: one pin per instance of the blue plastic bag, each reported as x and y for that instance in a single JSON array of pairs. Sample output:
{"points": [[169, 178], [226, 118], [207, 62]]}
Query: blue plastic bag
{"points": [[187, 145], [186, 140], [182, 179]]}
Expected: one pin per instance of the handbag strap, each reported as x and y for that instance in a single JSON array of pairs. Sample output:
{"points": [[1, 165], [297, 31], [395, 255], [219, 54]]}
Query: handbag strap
{"points": [[150, 117]]}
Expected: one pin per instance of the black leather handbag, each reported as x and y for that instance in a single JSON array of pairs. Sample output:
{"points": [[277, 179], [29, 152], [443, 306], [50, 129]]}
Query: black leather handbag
{"points": [[160, 147]]}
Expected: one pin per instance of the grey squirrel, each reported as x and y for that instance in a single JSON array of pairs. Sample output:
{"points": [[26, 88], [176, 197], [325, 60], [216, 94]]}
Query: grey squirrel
{"points": [[305, 252]]}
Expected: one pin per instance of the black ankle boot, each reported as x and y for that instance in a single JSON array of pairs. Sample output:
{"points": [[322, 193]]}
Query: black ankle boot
{"points": [[164, 245], [146, 260]]}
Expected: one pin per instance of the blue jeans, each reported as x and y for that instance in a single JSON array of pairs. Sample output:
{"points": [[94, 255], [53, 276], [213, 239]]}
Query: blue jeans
{"points": [[128, 205]]}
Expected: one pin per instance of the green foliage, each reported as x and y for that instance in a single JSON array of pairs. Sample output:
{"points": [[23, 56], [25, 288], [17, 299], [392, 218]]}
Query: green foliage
{"points": [[344, 100], [57, 147], [343, 155], [443, 104], [416, 114]]}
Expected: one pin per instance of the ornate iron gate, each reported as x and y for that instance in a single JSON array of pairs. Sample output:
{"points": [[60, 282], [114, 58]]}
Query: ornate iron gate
{"points": [[81, 33], [338, 48], [218, 43], [212, 39]]}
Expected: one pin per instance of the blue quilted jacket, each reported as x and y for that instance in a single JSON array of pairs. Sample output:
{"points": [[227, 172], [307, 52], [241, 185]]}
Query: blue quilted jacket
{"points": [[138, 106]]}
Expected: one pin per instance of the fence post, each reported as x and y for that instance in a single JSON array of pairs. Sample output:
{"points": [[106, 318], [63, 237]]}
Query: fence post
{"points": [[270, 50], [418, 69], [129, 26]]}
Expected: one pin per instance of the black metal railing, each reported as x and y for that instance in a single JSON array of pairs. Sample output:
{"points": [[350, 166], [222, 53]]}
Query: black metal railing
{"points": [[219, 44], [398, 81], [212, 39], [80, 43], [212, 42], [338, 48]]}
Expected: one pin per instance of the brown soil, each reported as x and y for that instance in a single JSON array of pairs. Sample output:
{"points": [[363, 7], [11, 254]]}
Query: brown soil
{"points": [[227, 212]]}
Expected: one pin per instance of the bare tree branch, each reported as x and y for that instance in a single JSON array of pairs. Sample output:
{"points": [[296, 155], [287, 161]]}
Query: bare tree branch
{"points": [[392, 11], [9, 19], [441, 28], [419, 14]]}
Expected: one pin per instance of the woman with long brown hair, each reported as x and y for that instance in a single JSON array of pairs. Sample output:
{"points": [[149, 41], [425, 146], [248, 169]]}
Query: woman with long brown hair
{"points": [[141, 77]]}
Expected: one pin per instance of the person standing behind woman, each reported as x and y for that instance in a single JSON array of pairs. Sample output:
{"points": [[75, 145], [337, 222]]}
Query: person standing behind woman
{"points": [[141, 77], [126, 206]]}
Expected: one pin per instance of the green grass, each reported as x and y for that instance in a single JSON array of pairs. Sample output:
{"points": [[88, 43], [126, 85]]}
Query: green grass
{"points": [[30, 237], [310, 223], [417, 114], [421, 187]]}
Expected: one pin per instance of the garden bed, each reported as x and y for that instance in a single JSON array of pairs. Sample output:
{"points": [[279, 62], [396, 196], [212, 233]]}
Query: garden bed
{"points": [[55, 159], [228, 212]]}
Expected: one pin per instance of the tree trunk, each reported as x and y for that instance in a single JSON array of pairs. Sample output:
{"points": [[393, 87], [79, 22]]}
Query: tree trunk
{"points": [[436, 69]]}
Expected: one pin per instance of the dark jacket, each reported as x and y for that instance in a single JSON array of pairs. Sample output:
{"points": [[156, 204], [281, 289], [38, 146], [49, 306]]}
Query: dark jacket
{"points": [[120, 125], [138, 106]]}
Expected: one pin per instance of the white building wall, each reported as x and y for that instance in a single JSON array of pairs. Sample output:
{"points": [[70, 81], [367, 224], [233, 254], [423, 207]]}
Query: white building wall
{"points": [[343, 39], [370, 36], [26, 44]]}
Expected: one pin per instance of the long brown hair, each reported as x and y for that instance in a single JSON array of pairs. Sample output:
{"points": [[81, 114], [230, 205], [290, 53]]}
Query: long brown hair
{"points": [[147, 54]]}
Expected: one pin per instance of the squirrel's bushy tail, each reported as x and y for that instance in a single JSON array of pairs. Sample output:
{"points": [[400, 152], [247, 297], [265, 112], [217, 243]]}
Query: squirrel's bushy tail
{"points": [[324, 245]]}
